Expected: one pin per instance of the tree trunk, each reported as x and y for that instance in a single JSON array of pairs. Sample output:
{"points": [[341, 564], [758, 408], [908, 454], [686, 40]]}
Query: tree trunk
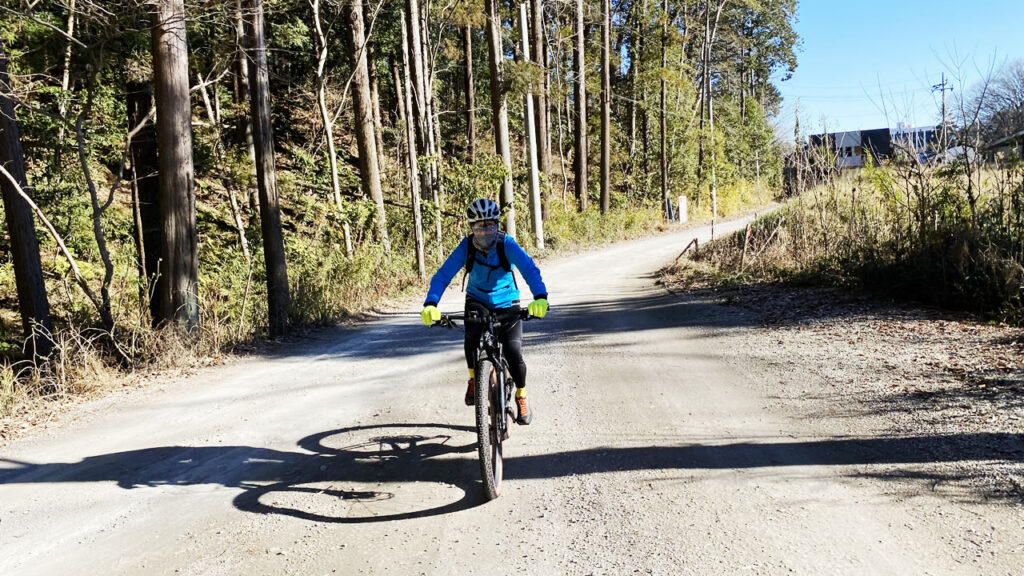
{"points": [[410, 138], [536, 218], [366, 139], [396, 79], [606, 109], [546, 111], [242, 102], [561, 155], [179, 262], [278, 295], [499, 110], [581, 112], [419, 108], [419, 114], [145, 168], [637, 25], [378, 126], [540, 99], [467, 49], [664, 123], [65, 82], [433, 133], [28, 272], [704, 55]]}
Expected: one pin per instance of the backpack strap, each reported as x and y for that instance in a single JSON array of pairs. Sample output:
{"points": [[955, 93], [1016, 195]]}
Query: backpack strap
{"points": [[470, 254], [502, 258]]}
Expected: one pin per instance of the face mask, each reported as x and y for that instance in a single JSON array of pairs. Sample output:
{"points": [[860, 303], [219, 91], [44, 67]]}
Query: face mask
{"points": [[485, 236]]}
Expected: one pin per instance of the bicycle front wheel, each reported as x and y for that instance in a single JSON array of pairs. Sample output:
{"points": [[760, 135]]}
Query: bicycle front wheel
{"points": [[488, 412]]}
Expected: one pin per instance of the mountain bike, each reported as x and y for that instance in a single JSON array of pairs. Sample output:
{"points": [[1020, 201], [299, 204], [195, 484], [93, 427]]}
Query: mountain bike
{"points": [[495, 406]]}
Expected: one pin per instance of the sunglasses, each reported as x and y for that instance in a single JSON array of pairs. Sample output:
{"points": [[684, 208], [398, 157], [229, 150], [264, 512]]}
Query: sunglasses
{"points": [[485, 227]]}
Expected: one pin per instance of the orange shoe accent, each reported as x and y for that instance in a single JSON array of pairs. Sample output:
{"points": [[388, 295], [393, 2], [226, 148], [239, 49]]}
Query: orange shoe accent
{"points": [[525, 415], [470, 392]]}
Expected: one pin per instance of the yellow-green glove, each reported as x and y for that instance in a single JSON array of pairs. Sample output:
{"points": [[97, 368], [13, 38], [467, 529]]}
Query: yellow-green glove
{"points": [[538, 307], [430, 314]]}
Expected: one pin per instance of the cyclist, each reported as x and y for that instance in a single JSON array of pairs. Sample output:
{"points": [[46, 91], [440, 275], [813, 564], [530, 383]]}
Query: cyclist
{"points": [[488, 257]]}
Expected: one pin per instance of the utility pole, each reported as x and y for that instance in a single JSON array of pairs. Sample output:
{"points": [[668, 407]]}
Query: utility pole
{"points": [[942, 130]]}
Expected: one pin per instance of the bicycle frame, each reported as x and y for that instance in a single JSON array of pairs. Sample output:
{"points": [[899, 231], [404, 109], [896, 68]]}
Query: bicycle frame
{"points": [[493, 398]]}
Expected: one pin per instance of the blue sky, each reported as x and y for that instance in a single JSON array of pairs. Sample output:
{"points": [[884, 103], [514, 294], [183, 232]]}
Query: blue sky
{"points": [[870, 64]]}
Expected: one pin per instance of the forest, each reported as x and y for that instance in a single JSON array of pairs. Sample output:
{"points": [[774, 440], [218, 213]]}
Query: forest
{"points": [[182, 176]]}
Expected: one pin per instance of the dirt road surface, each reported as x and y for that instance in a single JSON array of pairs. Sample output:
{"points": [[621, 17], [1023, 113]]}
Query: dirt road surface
{"points": [[654, 450]]}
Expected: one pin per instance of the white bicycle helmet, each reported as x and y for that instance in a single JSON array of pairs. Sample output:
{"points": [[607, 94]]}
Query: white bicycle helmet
{"points": [[483, 209]]}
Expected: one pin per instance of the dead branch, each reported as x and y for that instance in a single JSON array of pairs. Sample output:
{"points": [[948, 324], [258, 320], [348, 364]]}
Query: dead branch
{"points": [[56, 238]]}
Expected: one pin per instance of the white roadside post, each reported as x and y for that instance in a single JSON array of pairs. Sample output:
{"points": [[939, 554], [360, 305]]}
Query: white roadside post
{"points": [[683, 217], [535, 215]]}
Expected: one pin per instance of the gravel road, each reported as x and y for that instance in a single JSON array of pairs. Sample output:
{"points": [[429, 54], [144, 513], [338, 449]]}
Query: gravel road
{"points": [[669, 438]]}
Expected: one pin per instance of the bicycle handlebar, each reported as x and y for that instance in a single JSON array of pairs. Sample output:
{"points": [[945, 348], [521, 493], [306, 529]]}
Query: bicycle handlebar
{"points": [[448, 320]]}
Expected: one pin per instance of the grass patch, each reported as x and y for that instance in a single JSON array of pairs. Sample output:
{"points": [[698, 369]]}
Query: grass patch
{"points": [[908, 231]]}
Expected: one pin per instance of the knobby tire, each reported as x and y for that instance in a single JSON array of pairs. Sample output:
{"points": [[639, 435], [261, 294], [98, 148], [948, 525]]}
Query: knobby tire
{"points": [[488, 439]]}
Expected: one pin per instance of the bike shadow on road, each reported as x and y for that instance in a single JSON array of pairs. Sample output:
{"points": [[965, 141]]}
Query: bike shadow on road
{"points": [[394, 472], [351, 475]]}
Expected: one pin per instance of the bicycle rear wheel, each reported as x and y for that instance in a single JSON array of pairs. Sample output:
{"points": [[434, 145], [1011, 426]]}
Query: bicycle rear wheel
{"points": [[488, 412]]}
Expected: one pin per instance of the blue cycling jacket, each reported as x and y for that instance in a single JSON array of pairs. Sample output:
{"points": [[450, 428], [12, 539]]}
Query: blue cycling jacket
{"points": [[488, 283]]}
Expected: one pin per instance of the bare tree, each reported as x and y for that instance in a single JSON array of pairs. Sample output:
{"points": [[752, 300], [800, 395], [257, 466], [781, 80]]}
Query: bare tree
{"points": [[326, 119]]}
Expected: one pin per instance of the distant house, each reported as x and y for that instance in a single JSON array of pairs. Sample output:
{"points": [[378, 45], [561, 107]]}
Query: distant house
{"points": [[851, 149], [1006, 146]]}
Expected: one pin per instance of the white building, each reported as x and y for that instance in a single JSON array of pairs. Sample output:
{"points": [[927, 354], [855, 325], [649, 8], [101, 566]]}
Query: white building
{"points": [[849, 153]]}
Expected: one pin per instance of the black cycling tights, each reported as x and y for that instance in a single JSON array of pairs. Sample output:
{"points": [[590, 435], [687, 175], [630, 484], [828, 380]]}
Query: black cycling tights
{"points": [[511, 339]]}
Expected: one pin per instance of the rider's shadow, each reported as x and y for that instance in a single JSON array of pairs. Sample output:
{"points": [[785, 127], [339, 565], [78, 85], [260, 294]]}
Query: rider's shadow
{"points": [[350, 475], [381, 478]]}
